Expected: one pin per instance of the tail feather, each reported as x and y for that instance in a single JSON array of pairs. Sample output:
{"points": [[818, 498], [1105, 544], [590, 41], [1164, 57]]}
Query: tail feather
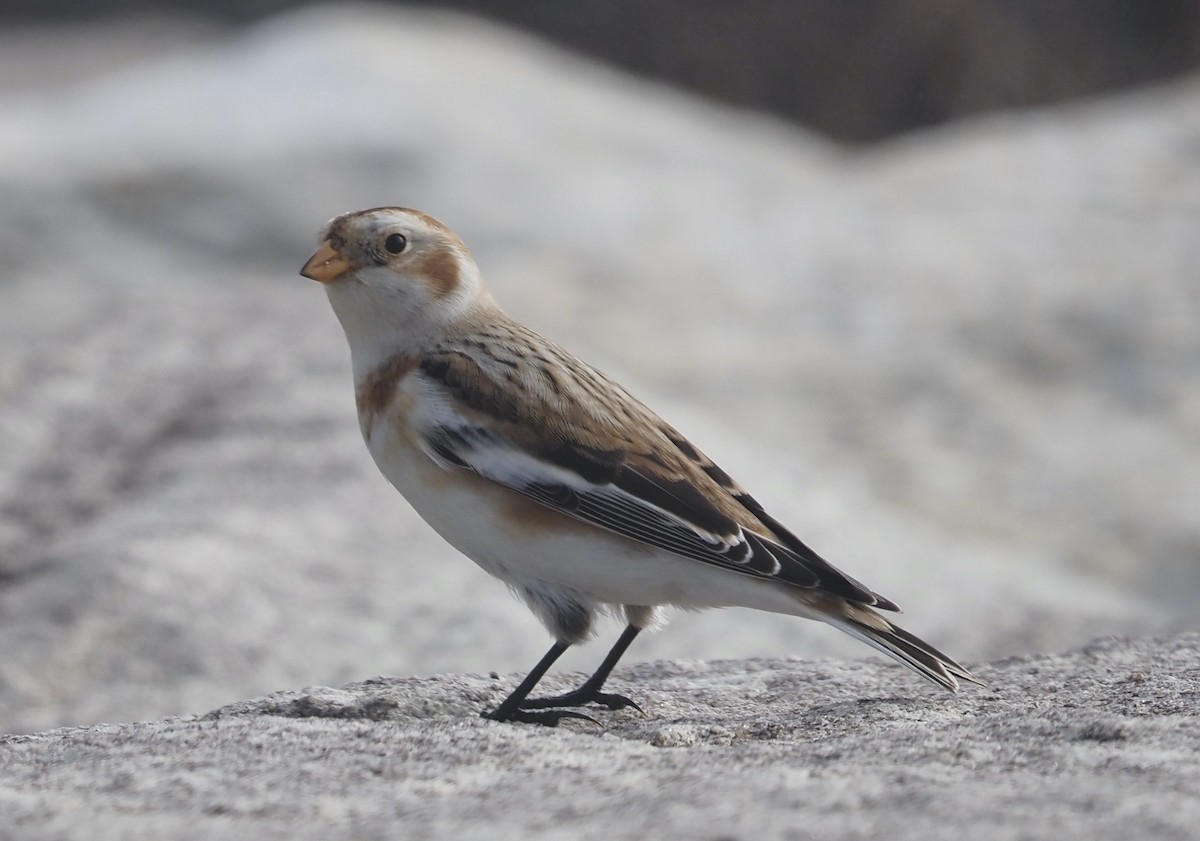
{"points": [[910, 650]]}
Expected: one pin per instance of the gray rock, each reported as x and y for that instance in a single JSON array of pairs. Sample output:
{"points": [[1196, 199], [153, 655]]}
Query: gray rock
{"points": [[963, 367], [1098, 743]]}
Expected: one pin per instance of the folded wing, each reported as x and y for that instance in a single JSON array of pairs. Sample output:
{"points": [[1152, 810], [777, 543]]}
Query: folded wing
{"points": [[609, 489]]}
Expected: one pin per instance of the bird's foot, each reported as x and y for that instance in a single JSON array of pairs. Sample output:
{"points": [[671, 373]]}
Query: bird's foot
{"points": [[581, 697]]}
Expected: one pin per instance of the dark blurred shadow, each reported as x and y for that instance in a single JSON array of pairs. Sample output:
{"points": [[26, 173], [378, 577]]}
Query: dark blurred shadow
{"points": [[856, 70]]}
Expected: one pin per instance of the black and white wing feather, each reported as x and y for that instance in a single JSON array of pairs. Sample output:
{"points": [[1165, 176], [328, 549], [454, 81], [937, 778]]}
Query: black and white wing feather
{"points": [[651, 485]]}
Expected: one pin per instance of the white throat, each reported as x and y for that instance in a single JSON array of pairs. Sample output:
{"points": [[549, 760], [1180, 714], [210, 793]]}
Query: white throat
{"points": [[382, 320]]}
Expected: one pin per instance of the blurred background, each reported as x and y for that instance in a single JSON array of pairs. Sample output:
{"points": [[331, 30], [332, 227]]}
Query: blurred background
{"points": [[856, 71], [922, 275]]}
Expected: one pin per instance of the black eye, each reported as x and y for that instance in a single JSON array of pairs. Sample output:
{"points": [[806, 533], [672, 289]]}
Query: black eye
{"points": [[395, 243]]}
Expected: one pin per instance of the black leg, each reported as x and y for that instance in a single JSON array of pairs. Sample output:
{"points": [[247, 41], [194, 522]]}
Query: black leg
{"points": [[589, 692], [510, 707]]}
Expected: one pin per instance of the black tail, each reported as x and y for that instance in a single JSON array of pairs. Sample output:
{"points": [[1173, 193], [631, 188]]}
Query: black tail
{"points": [[918, 655]]}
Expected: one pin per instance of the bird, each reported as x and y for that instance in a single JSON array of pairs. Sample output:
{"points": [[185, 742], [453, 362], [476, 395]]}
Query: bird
{"points": [[551, 476]]}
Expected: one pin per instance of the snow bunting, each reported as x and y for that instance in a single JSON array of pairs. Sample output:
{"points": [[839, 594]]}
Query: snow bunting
{"points": [[551, 476]]}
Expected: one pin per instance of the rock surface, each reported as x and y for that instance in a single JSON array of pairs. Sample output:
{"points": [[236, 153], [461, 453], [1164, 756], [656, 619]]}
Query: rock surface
{"points": [[1099, 743], [965, 367]]}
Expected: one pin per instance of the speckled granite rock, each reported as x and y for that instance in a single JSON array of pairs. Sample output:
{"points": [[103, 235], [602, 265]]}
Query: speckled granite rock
{"points": [[1098, 743]]}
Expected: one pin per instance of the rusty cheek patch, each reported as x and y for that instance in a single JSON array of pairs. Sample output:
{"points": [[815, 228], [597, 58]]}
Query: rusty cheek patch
{"points": [[441, 267], [376, 390]]}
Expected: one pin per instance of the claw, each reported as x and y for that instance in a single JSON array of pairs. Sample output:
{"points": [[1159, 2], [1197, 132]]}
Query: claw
{"points": [[629, 702]]}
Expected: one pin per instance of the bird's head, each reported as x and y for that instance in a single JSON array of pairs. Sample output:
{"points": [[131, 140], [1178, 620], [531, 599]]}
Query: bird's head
{"points": [[398, 279]]}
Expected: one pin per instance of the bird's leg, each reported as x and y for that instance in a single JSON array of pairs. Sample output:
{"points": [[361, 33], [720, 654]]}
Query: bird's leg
{"points": [[589, 692], [510, 708]]}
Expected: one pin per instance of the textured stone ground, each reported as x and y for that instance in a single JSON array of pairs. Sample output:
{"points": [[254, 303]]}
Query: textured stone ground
{"points": [[1098, 743]]}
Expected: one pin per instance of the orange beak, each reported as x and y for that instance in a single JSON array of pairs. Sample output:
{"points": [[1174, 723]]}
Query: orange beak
{"points": [[326, 264]]}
